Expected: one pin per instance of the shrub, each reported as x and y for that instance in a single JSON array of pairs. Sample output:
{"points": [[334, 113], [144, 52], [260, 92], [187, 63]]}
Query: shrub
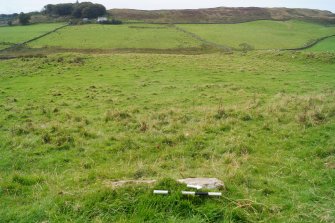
{"points": [[112, 22], [246, 47]]}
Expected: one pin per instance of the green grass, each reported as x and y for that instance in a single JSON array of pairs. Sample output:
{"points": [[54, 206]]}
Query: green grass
{"points": [[327, 45], [261, 34], [121, 36], [263, 123], [3, 46], [18, 34]]}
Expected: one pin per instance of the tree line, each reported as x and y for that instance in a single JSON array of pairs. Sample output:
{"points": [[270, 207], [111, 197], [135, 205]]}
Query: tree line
{"points": [[23, 18], [76, 10]]}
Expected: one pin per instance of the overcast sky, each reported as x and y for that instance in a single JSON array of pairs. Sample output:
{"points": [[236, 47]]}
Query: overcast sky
{"points": [[11, 6]]}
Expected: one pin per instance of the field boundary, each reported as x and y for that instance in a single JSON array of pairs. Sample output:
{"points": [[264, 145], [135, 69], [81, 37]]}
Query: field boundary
{"points": [[212, 23], [33, 39], [315, 42], [204, 41]]}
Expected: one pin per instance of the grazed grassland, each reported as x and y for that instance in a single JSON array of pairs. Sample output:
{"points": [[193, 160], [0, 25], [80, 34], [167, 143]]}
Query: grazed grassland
{"points": [[264, 123], [17, 34], [254, 35], [327, 45], [262, 34], [122, 36]]}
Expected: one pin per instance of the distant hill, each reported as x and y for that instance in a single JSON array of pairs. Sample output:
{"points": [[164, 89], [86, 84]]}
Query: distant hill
{"points": [[222, 15]]}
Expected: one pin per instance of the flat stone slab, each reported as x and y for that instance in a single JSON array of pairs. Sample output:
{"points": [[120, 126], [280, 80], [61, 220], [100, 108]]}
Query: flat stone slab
{"points": [[206, 183], [122, 183]]}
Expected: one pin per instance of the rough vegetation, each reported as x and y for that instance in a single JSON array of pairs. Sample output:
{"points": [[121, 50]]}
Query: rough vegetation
{"points": [[262, 122], [223, 15], [90, 105]]}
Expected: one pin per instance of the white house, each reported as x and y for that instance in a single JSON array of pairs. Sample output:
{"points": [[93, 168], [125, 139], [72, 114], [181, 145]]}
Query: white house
{"points": [[102, 19]]}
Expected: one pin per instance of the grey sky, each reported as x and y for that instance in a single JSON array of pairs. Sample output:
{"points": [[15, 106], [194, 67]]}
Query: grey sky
{"points": [[11, 6]]}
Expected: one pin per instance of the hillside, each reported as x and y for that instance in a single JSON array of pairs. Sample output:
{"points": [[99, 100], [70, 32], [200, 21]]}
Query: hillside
{"points": [[222, 15], [263, 34], [124, 36]]}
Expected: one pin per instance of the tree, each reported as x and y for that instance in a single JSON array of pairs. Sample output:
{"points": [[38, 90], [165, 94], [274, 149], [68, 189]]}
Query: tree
{"points": [[49, 9], [10, 23], [63, 9], [24, 19], [93, 11], [78, 10]]}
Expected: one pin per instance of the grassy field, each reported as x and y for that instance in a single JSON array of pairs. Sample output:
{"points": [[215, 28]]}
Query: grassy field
{"points": [[327, 45], [5, 45], [70, 124], [261, 34], [122, 36], [17, 34]]}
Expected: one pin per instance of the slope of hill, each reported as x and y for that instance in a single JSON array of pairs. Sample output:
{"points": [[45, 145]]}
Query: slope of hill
{"points": [[223, 15], [261, 34], [123, 36], [258, 35]]}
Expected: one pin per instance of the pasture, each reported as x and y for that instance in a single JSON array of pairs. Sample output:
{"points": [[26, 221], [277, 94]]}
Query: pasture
{"points": [[327, 45], [16, 34], [261, 34], [263, 122], [121, 36], [258, 35]]}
